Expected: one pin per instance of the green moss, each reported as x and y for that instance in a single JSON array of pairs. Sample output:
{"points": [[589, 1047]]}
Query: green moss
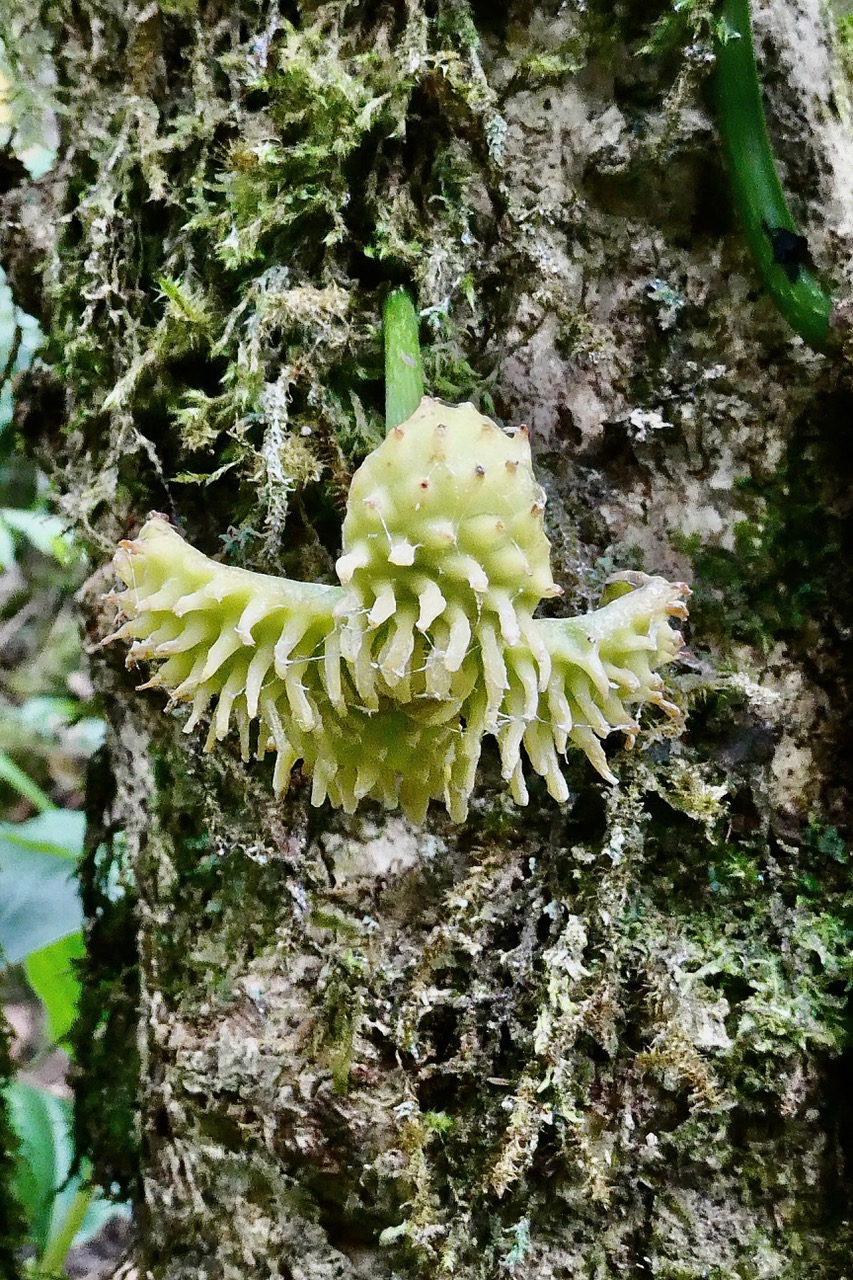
{"points": [[695, 992], [540, 69], [844, 47], [252, 321], [679, 22], [341, 990], [448, 370], [780, 579], [226, 895]]}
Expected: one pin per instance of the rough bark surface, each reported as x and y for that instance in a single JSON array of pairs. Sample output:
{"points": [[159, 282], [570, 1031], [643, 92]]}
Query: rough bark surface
{"points": [[588, 1040]]}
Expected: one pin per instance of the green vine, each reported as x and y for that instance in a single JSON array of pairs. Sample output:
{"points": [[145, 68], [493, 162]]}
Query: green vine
{"points": [[779, 250]]}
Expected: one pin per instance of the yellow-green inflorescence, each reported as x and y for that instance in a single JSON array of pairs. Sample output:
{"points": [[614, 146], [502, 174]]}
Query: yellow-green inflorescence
{"points": [[385, 686]]}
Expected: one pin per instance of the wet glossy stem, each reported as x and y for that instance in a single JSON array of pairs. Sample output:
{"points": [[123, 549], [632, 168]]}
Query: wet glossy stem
{"points": [[757, 191], [404, 379]]}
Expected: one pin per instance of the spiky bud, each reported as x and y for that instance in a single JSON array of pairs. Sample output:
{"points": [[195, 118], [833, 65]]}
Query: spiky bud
{"points": [[443, 534], [384, 687]]}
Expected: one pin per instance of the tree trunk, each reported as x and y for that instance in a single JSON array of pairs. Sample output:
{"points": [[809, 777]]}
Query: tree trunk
{"points": [[582, 1040]]}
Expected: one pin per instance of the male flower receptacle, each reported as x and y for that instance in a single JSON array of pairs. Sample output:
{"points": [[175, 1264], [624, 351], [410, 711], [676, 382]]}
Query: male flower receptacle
{"points": [[385, 686]]}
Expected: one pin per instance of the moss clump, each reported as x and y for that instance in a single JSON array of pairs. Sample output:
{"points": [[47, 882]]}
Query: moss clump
{"points": [[780, 580], [659, 1006], [252, 299]]}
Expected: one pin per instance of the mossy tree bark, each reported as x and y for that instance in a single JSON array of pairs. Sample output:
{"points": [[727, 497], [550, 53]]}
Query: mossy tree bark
{"points": [[576, 1040]]}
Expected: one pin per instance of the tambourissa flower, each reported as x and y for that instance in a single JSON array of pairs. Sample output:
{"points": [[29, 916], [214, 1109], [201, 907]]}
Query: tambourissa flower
{"points": [[385, 686]]}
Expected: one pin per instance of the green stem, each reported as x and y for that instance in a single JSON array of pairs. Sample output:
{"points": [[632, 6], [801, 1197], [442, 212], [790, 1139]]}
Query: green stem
{"points": [[52, 1261], [756, 188], [404, 379], [23, 784]]}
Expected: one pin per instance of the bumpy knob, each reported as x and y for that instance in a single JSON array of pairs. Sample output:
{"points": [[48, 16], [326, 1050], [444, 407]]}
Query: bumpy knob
{"points": [[444, 529]]}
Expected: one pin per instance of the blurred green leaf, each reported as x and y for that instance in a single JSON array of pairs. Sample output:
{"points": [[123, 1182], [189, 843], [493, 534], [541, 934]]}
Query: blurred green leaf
{"points": [[43, 710], [40, 726], [11, 773], [20, 338], [59, 832], [88, 734], [42, 1183], [52, 976], [40, 1121], [45, 532], [39, 903]]}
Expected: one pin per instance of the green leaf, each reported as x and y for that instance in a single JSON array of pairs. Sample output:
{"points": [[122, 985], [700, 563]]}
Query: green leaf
{"points": [[41, 1182], [51, 975], [24, 785], [39, 903], [404, 379], [41, 1122], [99, 1209], [45, 532], [59, 832]]}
